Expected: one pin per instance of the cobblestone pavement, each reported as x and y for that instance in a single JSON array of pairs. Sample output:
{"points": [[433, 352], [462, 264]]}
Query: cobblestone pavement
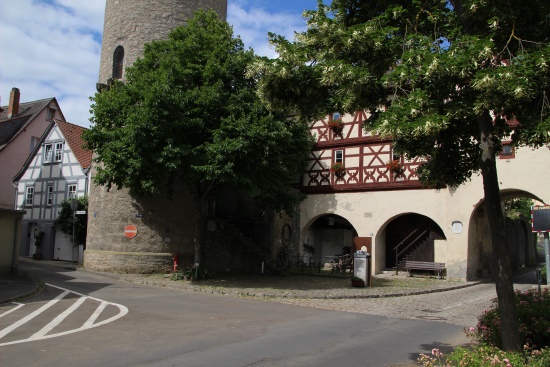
{"points": [[453, 302], [450, 301]]}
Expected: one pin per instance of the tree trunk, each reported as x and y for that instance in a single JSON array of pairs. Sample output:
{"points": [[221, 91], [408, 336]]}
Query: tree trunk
{"points": [[198, 231], [495, 215]]}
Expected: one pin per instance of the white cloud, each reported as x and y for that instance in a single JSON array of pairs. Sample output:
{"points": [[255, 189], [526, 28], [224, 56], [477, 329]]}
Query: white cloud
{"points": [[52, 49], [253, 23]]}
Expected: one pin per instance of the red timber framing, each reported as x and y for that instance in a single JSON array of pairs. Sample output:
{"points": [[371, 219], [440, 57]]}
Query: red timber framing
{"points": [[365, 159]]}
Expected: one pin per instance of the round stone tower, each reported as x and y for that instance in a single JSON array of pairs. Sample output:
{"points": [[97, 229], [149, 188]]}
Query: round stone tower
{"points": [[130, 24], [129, 234]]}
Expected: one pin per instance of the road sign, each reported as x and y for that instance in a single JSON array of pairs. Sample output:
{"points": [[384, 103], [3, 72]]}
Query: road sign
{"points": [[130, 231], [540, 216], [78, 212]]}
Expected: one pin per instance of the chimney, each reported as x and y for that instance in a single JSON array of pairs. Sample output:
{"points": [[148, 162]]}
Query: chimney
{"points": [[13, 107]]}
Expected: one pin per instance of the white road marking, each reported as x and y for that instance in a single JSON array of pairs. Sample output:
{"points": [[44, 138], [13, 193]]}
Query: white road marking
{"points": [[95, 315], [46, 329], [19, 305], [43, 333], [32, 315]]}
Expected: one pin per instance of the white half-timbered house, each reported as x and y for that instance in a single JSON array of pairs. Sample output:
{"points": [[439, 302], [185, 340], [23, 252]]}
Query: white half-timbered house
{"points": [[57, 169]]}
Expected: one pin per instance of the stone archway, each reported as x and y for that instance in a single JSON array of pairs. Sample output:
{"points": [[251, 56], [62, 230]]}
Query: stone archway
{"points": [[328, 236], [480, 249]]}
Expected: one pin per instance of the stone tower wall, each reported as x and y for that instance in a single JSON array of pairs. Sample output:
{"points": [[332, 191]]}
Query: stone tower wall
{"points": [[132, 23], [162, 222]]}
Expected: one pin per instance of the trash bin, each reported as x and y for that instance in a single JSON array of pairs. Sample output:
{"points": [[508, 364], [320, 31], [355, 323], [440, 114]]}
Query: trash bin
{"points": [[361, 268]]}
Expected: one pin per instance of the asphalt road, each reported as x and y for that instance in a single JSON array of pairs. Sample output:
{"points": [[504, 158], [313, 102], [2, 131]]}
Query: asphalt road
{"points": [[174, 328]]}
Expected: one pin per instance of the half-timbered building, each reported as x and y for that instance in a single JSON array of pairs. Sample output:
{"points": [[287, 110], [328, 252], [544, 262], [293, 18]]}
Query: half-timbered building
{"points": [[57, 169], [359, 193]]}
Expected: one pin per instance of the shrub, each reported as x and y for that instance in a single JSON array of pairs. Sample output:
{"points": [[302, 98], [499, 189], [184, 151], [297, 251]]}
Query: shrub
{"points": [[486, 356], [533, 311], [191, 273], [543, 275]]}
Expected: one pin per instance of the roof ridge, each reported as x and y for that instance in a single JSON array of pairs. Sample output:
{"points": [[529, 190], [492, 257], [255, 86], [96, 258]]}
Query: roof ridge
{"points": [[32, 102]]}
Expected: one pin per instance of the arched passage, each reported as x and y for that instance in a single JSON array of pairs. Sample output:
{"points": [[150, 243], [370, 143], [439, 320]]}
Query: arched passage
{"points": [[328, 236], [521, 241], [410, 236]]}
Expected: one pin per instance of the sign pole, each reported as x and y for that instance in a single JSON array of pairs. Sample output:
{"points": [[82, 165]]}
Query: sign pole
{"points": [[540, 222], [547, 257], [73, 207]]}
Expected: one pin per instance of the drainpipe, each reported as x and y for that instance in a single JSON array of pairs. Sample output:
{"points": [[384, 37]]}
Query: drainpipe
{"points": [[16, 186], [14, 269]]}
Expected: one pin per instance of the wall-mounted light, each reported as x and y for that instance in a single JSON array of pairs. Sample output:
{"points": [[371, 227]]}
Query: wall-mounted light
{"points": [[331, 221]]}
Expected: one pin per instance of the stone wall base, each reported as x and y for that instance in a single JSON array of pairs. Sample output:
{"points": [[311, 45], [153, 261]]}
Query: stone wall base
{"points": [[127, 262]]}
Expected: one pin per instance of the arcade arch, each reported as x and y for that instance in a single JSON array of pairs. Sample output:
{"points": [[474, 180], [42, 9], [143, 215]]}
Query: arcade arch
{"points": [[407, 236], [328, 236], [520, 237]]}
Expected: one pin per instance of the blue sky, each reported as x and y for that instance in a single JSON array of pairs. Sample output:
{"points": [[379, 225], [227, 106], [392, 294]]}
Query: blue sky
{"points": [[51, 48]]}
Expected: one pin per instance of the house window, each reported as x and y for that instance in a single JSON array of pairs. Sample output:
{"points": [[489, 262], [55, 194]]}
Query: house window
{"points": [[339, 156], [58, 156], [336, 116], [48, 152], [50, 114], [118, 63], [49, 198], [29, 195], [72, 191], [508, 151]]}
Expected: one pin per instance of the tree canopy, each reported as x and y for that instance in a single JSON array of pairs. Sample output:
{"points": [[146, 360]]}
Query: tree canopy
{"points": [[443, 78], [187, 113]]}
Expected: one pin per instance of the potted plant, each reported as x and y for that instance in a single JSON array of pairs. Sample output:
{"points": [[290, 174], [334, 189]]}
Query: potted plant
{"points": [[338, 168], [357, 282], [395, 166], [337, 126]]}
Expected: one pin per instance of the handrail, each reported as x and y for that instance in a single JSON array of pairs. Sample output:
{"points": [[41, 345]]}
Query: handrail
{"points": [[411, 243], [406, 238]]}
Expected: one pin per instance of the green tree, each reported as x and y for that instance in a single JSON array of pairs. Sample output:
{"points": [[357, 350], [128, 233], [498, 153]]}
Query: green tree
{"points": [[516, 207], [188, 114], [449, 74], [66, 219]]}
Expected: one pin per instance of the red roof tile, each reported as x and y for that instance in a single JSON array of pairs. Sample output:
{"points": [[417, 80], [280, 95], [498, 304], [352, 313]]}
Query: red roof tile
{"points": [[73, 136]]}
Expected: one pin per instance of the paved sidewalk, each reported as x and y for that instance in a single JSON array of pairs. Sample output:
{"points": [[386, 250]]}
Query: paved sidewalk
{"points": [[16, 287], [295, 286]]}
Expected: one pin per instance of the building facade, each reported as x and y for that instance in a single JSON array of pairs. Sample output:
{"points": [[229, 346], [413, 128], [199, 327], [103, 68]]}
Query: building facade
{"points": [[58, 169], [21, 126], [360, 193]]}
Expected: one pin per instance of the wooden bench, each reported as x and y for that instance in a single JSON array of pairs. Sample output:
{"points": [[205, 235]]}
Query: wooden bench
{"points": [[424, 265]]}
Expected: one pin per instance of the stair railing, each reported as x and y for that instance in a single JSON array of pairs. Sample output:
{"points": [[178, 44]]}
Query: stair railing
{"points": [[408, 245]]}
